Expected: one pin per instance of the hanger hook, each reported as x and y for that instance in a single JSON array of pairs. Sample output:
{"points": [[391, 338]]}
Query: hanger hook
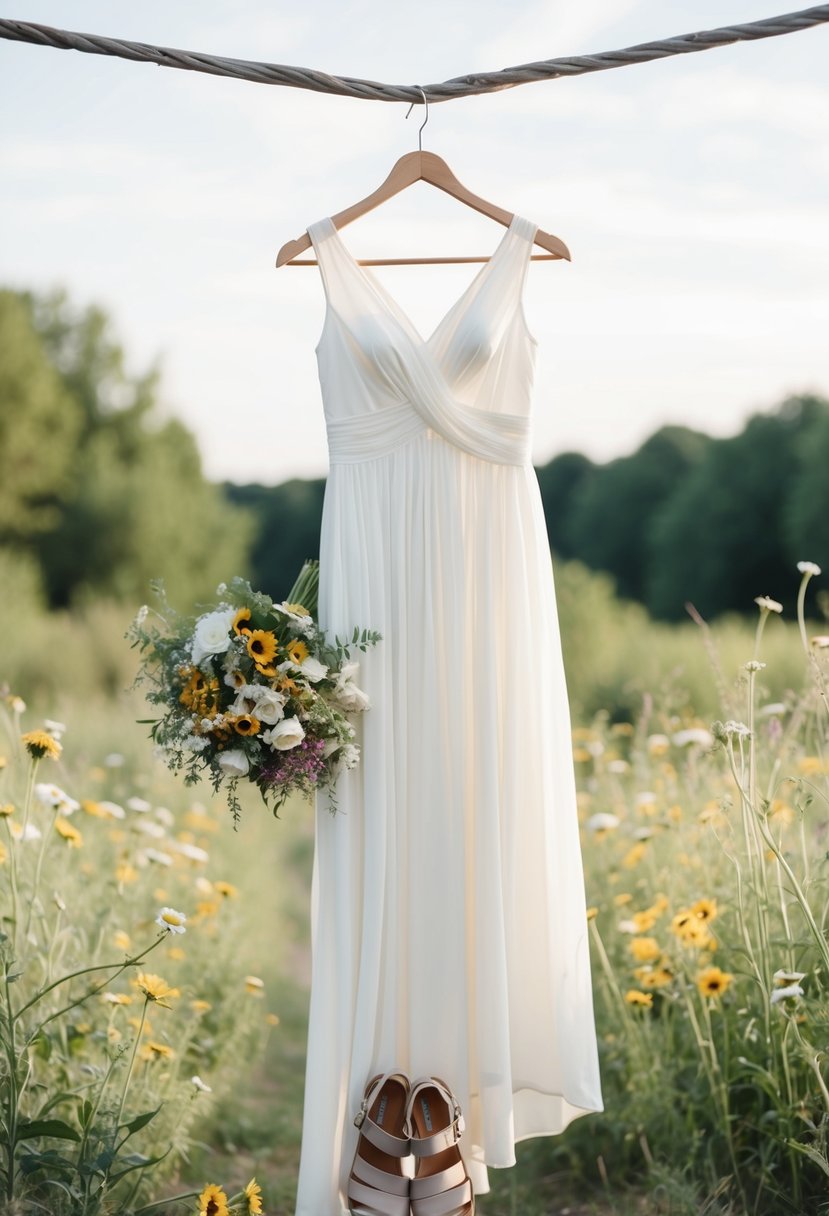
{"points": [[425, 120]]}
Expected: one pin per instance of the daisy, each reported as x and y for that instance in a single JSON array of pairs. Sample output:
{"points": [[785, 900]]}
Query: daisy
{"points": [[171, 920]]}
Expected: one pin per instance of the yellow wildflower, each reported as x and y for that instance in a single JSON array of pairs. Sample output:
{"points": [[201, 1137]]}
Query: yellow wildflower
{"points": [[117, 998], [634, 854], [40, 743], [645, 949], [124, 872], [252, 1193], [711, 981], [254, 985], [644, 920], [155, 988], [69, 832], [7, 808], [153, 1050], [624, 897], [654, 977], [213, 1201], [272, 1019], [225, 888], [200, 1006], [592, 913], [634, 997], [176, 952], [121, 939], [704, 909], [781, 811], [3, 853]]}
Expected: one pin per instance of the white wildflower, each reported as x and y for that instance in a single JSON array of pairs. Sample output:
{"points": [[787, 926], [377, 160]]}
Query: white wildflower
{"points": [[199, 1084], [139, 804], [782, 976], [55, 729], [808, 568], [767, 604], [161, 859], [113, 760], [682, 738], [782, 994], [53, 796], [602, 821], [171, 920], [113, 809]]}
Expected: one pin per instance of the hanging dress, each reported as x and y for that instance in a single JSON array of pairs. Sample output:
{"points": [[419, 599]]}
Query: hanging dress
{"points": [[449, 934]]}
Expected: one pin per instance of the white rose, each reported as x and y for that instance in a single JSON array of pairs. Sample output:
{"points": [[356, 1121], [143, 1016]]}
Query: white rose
{"points": [[288, 732], [346, 694], [212, 634], [235, 763], [313, 669], [269, 707]]}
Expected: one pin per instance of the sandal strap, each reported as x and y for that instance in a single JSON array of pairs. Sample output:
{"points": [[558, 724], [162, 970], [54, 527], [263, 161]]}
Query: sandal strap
{"points": [[379, 1137], [375, 1201], [427, 1146], [433, 1184], [454, 1202], [364, 1171]]}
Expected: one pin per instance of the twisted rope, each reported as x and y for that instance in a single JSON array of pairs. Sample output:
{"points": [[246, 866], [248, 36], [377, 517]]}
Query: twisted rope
{"points": [[373, 90]]}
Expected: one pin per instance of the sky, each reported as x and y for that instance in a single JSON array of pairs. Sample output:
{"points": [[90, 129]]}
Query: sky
{"points": [[693, 193]]}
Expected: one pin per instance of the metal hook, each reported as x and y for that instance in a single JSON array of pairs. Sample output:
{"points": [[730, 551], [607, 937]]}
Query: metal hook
{"points": [[425, 120]]}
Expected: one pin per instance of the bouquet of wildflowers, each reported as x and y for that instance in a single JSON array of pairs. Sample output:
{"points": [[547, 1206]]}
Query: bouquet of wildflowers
{"points": [[252, 689]]}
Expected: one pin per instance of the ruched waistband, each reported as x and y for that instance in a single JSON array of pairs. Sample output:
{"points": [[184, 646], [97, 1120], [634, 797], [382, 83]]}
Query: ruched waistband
{"points": [[503, 438]]}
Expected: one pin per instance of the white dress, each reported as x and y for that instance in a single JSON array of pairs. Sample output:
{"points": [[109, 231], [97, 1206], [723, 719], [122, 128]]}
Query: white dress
{"points": [[449, 933]]}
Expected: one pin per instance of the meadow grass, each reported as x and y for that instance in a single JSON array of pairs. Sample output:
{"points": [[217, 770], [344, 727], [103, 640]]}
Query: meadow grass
{"points": [[705, 853]]}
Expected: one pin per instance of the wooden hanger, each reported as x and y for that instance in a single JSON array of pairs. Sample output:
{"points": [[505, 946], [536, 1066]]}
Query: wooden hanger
{"points": [[410, 168]]}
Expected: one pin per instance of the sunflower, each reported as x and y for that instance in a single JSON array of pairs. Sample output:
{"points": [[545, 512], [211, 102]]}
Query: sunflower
{"points": [[239, 626], [252, 1193], [262, 646], [634, 997], [40, 743], [298, 651], [246, 724], [155, 988], [213, 1201], [711, 981]]}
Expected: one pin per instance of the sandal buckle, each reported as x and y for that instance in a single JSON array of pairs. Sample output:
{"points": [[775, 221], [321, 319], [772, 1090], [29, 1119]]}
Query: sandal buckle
{"points": [[360, 1117]]}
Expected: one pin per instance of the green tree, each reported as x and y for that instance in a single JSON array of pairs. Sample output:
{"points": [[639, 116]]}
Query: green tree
{"points": [[561, 480], [127, 498], [40, 427], [614, 510], [725, 534], [289, 517]]}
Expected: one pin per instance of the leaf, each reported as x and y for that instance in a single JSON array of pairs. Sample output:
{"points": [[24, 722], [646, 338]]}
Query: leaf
{"points": [[85, 1110], [811, 1153], [29, 1162], [28, 1129], [139, 1121], [137, 1161]]}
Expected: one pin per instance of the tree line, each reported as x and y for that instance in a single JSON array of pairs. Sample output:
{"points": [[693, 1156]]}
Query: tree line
{"points": [[98, 495]]}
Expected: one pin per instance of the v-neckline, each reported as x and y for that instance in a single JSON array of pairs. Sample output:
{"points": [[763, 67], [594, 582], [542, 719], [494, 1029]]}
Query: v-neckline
{"points": [[394, 306]]}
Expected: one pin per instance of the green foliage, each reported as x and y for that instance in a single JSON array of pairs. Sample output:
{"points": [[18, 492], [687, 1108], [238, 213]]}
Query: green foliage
{"points": [[102, 491], [40, 428], [96, 1098], [288, 518], [688, 518]]}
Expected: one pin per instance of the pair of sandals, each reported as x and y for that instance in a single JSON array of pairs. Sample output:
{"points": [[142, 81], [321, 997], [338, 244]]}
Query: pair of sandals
{"points": [[398, 1119]]}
